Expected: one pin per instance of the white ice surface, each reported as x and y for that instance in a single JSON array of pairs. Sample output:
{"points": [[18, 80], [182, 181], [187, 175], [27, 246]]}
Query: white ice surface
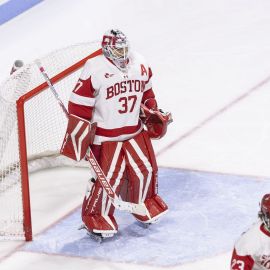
{"points": [[204, 55]]}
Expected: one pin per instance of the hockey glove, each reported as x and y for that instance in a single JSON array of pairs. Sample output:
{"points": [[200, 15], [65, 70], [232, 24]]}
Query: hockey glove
{"points": [[156, 121]]}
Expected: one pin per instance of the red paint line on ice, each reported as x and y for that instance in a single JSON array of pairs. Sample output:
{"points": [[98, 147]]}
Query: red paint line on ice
{"points": [[214, 115], [21, 245], [9, 254], [58, 220], [194, 170]]}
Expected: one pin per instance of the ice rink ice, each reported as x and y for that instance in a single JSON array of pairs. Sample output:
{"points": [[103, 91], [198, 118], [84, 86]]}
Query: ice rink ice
{"points": [[211, 66], [200, 204]]}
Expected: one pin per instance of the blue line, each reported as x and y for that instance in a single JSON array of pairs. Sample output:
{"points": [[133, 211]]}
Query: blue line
{"points": [[13, 8]]}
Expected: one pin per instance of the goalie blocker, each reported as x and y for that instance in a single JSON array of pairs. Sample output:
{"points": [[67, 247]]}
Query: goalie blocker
{"points": [[79, 135]]}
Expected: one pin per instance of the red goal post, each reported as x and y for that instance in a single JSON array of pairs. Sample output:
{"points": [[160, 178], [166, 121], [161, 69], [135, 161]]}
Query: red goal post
{"points": [[32, 130]]}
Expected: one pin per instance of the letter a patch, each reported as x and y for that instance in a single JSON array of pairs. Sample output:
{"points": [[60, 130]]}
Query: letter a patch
{"points": [[143, 70]]}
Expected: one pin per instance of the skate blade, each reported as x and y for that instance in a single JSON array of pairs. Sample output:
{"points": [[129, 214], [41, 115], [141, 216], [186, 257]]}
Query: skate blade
{"points": [[82, 227], [143, 225], [99, 237], [96, 237]]}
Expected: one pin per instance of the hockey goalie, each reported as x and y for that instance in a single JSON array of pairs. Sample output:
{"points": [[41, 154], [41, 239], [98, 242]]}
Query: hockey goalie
{"points": [[115, 92]]}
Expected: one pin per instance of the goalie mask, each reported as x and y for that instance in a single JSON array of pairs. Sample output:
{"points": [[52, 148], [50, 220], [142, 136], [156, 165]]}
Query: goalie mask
{"points": [[264, 213], [116, 48]]}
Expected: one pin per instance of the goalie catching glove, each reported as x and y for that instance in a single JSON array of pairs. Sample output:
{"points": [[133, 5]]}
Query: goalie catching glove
{"points": [[156, 121], [79, 135]]}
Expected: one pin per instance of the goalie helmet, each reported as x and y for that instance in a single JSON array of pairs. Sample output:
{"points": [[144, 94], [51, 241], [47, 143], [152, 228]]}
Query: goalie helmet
{"points": [[264, 213], [115, 47]]}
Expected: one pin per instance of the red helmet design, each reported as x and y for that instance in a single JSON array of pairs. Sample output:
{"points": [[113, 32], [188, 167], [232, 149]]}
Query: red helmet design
{"points": [[115, 47]]}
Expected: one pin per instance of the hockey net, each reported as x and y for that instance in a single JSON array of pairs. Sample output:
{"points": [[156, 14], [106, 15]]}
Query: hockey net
{"points": [[32, 127]]}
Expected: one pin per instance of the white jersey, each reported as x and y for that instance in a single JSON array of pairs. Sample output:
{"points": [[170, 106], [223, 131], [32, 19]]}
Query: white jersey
{"points": [[252, 250], [114, 96]]}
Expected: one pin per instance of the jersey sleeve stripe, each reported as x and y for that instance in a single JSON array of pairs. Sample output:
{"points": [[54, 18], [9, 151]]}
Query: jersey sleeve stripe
{"points": [[148, 86], [149, 100], [149, 93], [81, 100], [150, 75], [80, 110]]}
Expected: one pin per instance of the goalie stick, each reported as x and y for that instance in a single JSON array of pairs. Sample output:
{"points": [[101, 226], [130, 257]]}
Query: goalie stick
{"points": [[139, 209]]}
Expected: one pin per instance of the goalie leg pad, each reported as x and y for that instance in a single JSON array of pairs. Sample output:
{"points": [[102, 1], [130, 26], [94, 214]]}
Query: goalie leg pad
{"points": [[156, 208], [104, 225], [97, 209], [141, 168], [142, 177]]}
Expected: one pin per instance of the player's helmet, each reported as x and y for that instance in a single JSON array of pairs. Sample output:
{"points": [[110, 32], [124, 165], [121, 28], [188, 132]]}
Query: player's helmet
{"points": [[115, 47], [264, 213]]}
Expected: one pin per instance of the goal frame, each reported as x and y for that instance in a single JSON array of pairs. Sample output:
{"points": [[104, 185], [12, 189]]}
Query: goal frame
{"points": [[20, 105]]}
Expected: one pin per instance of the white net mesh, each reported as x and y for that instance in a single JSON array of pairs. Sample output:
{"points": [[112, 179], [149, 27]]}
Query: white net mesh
{"points": [[45, 126]]}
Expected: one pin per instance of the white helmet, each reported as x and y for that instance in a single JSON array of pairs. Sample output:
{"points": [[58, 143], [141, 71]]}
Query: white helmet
{"points": [[115, 47]]}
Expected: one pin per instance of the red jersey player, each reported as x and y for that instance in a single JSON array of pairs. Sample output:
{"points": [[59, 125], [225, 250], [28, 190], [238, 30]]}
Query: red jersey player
{"points": [[252, 250], [110, 92]]}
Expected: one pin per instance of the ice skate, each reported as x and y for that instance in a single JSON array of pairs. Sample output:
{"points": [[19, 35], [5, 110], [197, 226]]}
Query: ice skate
{"points": [[97, 236]]}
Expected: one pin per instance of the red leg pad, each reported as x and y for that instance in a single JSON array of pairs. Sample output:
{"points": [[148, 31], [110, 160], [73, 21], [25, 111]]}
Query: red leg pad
{"points": [[156, 208], [99, 224]]}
